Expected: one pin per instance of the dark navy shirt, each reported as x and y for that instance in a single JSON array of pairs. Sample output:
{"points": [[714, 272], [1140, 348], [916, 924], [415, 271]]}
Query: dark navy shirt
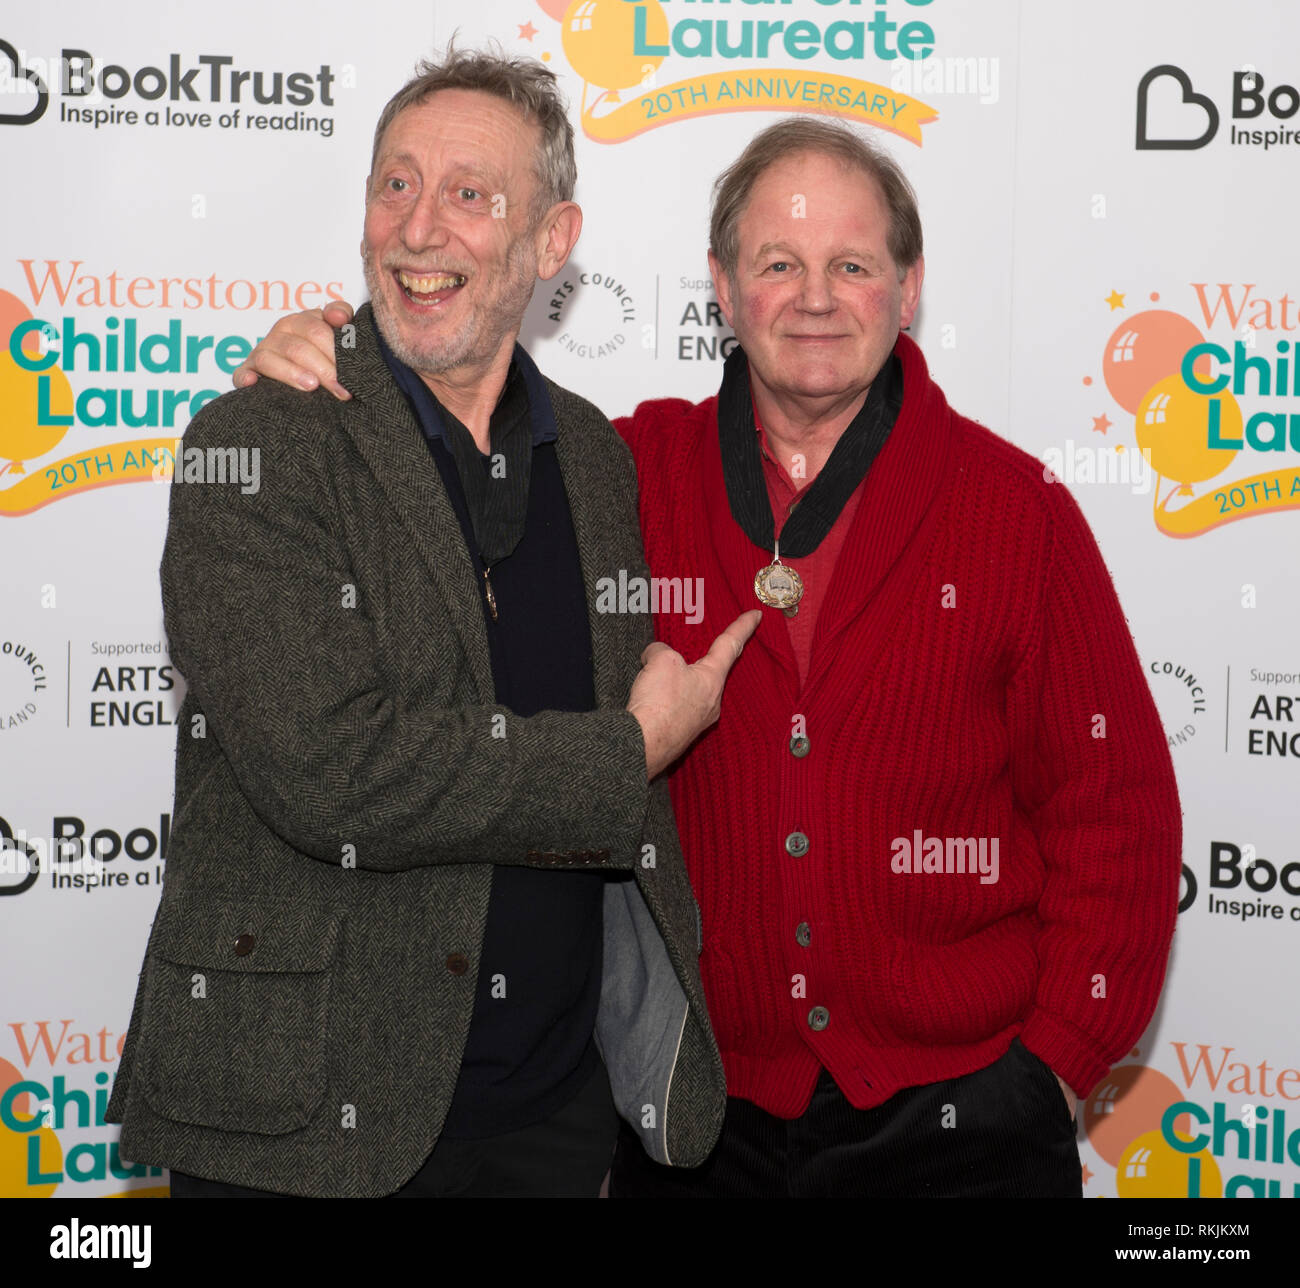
{"points": [[532, 1050]]}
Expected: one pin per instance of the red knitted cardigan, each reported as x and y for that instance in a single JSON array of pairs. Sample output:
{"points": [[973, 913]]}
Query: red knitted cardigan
{"points": [[973, 680]]}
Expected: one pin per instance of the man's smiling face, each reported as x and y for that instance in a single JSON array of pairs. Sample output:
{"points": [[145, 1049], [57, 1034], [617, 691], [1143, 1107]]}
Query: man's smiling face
{"points": [[816, 300], [449, 255]]}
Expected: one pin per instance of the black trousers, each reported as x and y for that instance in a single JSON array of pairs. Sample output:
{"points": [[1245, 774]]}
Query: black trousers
{"points": [[1004, 1131], [566, 1156]]}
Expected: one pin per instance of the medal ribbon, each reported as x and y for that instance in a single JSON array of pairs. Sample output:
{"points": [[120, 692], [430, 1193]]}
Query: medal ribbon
{"points": [[847, 466]]}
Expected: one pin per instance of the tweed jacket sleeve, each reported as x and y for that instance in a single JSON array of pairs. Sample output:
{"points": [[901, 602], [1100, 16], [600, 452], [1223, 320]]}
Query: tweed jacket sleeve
{"points": [[343, 724]]}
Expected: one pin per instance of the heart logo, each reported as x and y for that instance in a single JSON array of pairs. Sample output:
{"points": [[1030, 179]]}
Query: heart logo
{"points": [[21, 73], [1189, 96]]}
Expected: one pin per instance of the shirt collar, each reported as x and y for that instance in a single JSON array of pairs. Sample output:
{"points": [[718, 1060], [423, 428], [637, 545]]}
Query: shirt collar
{"points": [[429, 410], [771, 465]]}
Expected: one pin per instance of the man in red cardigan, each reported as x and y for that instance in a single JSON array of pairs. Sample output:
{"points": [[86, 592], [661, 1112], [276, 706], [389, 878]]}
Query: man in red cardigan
{"points": [[935, 835]]}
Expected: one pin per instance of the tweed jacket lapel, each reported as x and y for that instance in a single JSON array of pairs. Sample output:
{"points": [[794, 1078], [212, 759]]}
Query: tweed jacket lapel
{"points": [[395, 450]]}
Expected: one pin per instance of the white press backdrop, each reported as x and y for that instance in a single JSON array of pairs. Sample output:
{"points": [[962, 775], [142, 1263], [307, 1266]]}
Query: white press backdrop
{"points": [[177, 176]]}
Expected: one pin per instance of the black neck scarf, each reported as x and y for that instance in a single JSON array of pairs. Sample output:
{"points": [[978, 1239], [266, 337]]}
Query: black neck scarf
{"points": [[847, 466], [496, 485]]}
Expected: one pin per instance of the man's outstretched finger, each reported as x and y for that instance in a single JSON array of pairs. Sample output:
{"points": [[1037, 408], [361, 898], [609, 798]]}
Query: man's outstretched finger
{"points": [[726, 649]]}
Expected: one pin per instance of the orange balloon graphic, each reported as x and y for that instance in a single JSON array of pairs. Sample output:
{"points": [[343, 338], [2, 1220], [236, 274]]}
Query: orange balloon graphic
{"points": [[14, 1145], [22, 438], [553, 8], [1174, 424], [1129, 1100], [1146, 348], [13, 311]]}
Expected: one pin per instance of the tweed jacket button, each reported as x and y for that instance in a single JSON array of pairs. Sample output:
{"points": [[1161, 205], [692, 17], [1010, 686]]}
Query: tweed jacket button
{"points": [[818, 1018], [800, 746], [803, 934], [796, 845], [458, 963], [244, 944]]}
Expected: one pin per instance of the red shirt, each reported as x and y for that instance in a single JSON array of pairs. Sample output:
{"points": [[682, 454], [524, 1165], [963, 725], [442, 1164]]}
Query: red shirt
{"points": [[815, 568], [971, 678]]}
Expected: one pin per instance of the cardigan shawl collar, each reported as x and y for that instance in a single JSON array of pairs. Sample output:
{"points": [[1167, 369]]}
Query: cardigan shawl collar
{"points": [[900, 489]]}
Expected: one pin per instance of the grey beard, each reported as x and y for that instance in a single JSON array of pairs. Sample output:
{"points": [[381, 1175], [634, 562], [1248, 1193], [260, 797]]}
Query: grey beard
{"points": [[507, 313]]}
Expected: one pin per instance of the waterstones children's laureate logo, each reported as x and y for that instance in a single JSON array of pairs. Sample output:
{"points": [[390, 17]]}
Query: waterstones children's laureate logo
{"points": [[54, 1092], [1205, 408], [1174, 1137], [86, 361], [620, 47]]}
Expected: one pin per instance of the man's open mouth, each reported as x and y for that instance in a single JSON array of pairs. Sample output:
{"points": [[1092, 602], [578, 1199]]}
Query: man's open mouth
{"points": [[429, 288]]}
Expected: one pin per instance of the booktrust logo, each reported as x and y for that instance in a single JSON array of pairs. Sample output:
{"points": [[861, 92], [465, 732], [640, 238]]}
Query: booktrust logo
{"points": [[17, 85], [1189, 98], [1189, 120], [621, 45], [100, 94]]}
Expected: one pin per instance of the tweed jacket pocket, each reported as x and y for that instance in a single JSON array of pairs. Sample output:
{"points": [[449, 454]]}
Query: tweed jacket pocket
{"points": [[236, 1017]]}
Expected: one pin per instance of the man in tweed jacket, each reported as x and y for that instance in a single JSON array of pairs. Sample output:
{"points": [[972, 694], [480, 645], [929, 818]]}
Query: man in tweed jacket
{"points": [[353, 798]]}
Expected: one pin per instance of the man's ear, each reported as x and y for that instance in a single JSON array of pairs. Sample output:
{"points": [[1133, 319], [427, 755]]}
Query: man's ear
{"points": [[910, 289], [557, 234], [721, 288], [365, 206]]}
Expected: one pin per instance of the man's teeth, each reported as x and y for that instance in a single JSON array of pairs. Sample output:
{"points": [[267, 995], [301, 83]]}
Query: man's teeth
{"points": [[432, 284]]}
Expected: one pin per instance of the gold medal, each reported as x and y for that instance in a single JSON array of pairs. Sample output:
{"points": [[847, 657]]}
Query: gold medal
{"points": [[779, 586]]}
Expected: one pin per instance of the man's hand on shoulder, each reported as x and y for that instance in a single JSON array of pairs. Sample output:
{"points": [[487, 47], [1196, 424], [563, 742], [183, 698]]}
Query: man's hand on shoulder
{"points": [[299, 351]]}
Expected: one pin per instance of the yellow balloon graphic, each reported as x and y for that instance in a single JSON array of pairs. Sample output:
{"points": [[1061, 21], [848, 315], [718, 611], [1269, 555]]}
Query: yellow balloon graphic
{"points": [[21, 437], [1174, 425], [14, 1163], [1151, 1168], [599, 39]]}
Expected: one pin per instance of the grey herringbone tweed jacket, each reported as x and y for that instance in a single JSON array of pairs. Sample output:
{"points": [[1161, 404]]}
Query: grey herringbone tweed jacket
{"points": [[342, 790]]}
